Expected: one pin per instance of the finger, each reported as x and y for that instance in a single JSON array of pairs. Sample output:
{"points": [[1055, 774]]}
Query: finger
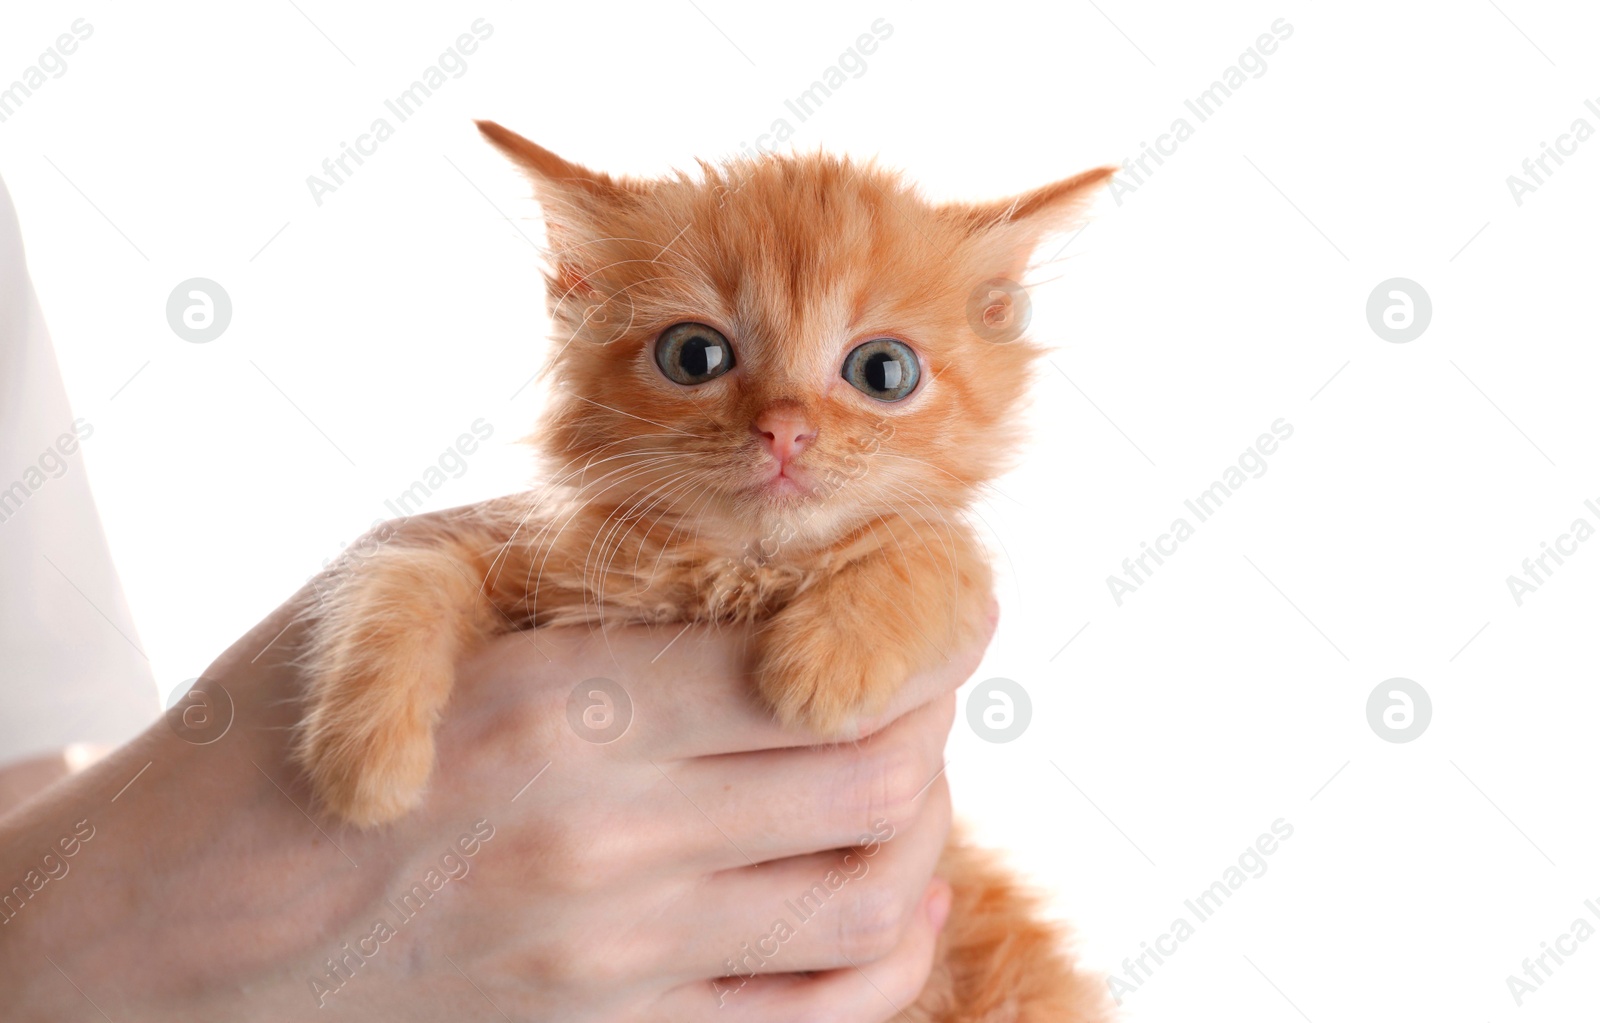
{"points": [[818, 912], [775, 804], [689, 690], [865, 993], [694, 710]]}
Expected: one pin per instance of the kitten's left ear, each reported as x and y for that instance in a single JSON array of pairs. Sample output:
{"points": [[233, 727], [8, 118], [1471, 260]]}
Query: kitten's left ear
{"points": [[1019, 223], [552, 175], [575, 200]]}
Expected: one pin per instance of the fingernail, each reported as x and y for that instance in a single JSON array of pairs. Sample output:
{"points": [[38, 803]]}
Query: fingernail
{"points": [[938, 903]]}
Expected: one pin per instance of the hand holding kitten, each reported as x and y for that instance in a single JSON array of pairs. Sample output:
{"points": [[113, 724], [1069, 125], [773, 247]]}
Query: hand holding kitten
{"points": [[601, 892]]}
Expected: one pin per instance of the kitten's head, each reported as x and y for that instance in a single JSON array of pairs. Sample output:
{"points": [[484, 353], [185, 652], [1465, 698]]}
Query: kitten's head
{"points": [[787, 346]]}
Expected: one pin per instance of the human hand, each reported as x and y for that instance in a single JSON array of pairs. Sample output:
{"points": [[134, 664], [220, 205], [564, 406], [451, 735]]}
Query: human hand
{"points": [[569, 879]]}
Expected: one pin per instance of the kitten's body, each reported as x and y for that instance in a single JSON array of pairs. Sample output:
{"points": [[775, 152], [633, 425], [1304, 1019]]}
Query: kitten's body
{"points": [[664, 508]]}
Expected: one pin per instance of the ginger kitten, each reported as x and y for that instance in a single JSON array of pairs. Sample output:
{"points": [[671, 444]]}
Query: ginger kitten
{"points": [[771, 405]]}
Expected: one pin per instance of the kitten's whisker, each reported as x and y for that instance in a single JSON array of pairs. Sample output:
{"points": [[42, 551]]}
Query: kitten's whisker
{"points": [[630, 415], [577, 506], [625, 524], [684, 515], [531, 584], [573, 333], [964, 484], [536, 498], [662, 494]]}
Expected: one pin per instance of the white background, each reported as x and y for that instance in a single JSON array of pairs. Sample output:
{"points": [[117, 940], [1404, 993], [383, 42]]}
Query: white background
{"points": [[1226, 292]]}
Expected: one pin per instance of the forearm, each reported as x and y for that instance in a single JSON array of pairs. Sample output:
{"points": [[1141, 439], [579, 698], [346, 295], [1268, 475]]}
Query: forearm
{"points": [[168, 873], [23, 779]]}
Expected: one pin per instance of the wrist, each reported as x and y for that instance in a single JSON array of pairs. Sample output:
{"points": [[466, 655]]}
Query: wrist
{"points": [[169, 873]]}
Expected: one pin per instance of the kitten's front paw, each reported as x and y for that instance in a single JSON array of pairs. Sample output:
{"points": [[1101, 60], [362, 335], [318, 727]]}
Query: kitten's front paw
{"points": [[819, 678], [367, 765]]}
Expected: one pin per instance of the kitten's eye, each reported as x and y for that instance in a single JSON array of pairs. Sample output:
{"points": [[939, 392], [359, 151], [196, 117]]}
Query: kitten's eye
{"points": [[884, 368], [692, 353]]}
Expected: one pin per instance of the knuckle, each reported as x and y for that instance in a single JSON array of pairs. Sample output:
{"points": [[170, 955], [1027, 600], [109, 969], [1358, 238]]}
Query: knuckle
{"points": [[568, 860], [889, 783], [823, 1006], [870, 923], [816, 1006], [904, 983], [580, 965]]}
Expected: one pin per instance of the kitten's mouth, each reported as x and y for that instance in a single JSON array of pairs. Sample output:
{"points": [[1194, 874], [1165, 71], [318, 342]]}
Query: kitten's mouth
{"points": [[786, 483]]}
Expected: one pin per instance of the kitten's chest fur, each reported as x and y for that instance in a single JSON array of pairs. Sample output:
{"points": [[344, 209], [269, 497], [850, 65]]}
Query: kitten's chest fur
{"points": [[581, 565]]}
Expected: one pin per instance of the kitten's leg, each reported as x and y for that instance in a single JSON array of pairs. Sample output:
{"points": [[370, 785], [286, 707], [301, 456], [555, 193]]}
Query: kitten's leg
{"points": [[845, 645], [382, 662]]}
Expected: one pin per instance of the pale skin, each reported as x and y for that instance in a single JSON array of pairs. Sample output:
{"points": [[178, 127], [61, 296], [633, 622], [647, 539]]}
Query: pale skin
{"points": [[617, 883]]}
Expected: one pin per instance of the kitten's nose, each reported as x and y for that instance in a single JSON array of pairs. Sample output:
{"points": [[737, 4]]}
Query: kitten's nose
{"points": [[785, 431]]}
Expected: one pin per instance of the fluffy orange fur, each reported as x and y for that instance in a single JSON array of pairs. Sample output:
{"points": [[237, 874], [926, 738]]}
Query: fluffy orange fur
{"points": [[656, 509]]}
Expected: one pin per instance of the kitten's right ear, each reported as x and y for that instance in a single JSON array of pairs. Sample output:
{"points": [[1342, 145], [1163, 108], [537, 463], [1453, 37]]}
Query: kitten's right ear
{"points": [[552, 175]]}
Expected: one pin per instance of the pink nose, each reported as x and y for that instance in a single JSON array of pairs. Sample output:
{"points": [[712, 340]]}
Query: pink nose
{"points": [[785, 431]]}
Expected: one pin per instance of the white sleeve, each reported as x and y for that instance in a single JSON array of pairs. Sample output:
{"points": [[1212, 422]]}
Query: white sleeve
{"points": [[71, 669]]}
